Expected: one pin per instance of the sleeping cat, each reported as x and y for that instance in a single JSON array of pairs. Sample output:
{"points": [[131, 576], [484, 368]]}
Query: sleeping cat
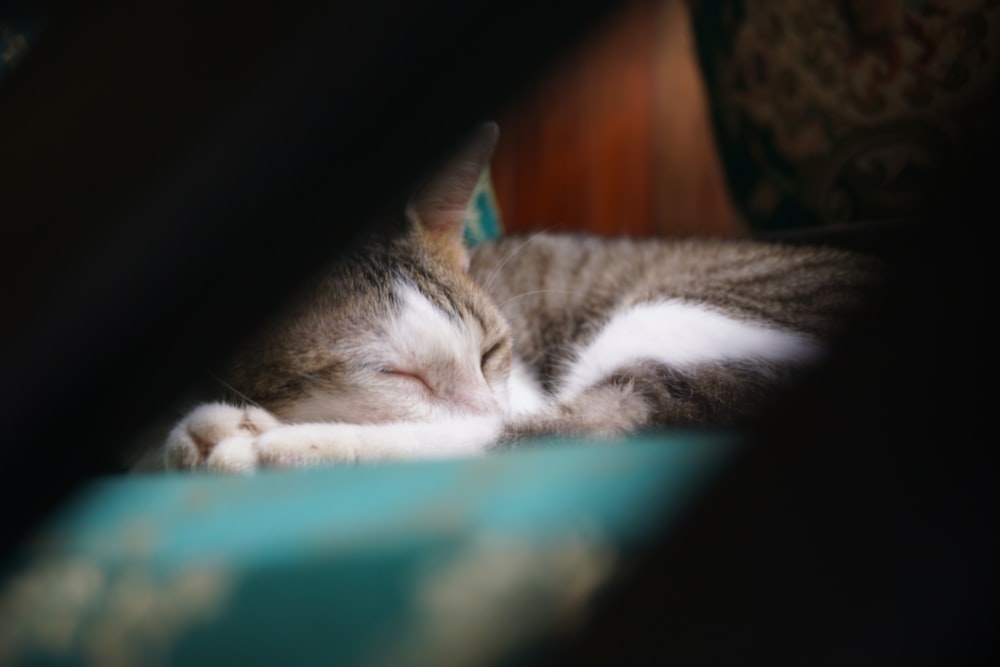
{"points": [[414, 346]]}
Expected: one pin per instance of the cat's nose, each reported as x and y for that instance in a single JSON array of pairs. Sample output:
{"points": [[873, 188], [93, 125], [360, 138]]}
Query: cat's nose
{"points": [[478, 400]]}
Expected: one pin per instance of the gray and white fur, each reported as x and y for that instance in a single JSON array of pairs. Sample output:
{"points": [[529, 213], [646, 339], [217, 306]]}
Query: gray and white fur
{"points": [[414, 346]]}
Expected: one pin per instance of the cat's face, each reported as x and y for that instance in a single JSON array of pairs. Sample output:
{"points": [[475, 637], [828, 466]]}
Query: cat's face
{"points": [[395, 332], [413, 339]]}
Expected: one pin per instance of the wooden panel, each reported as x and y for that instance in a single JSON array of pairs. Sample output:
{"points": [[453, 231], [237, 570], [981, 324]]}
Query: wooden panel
{"points": [[576, 154], [690, 196], [616, 139]]}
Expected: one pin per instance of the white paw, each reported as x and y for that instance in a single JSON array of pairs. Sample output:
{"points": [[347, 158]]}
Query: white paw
{"points": [[217, 437], [308, 445]]}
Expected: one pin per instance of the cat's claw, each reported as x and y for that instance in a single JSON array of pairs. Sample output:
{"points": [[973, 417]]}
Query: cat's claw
{"points": [[217, 437]]}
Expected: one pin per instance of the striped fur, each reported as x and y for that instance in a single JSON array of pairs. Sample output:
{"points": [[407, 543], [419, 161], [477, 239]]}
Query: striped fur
{"points": [[412, 347]]}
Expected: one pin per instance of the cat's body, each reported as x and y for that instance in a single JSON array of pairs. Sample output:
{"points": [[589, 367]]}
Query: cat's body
{"points": [[399, 352], [700, 327]]}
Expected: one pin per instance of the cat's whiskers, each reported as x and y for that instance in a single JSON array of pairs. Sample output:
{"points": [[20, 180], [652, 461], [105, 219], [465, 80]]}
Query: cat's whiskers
{"points": [[488, 283], [312, 378], [532, 293], [236, 391]]}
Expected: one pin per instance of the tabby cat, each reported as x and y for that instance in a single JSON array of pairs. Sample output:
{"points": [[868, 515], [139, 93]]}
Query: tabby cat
{"points": [[415, 346]]}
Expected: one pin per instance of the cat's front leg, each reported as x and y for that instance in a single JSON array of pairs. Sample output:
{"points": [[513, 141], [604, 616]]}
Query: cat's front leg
{"points": [[607, 411], [217, 437], [305, 445]]}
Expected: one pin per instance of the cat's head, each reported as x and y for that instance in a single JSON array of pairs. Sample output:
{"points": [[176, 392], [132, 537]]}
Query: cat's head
{"points": [[396, 330]]}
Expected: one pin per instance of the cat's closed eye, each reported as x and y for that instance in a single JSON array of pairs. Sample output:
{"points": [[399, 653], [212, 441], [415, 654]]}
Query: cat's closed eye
{"points": [[407, 376]]}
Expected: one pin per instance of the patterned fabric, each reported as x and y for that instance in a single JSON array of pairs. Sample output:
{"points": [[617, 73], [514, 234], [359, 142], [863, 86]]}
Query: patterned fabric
{"points": [[845, 110], [16, 33], [12, 45]]}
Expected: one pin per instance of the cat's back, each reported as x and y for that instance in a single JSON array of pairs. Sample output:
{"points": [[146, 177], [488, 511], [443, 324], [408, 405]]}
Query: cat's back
{"points": [[570, 284]]}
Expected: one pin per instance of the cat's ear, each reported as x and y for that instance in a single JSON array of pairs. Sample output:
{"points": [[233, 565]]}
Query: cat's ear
{"points": [[440, 206]]}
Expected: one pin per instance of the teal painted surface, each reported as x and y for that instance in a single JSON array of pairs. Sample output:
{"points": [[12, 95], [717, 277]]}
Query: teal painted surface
{"points": [[482, 218], [454, 562]]}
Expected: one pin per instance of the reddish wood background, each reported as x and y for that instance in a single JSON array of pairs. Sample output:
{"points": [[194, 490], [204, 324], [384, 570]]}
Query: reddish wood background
{"points": [[617, 139]]}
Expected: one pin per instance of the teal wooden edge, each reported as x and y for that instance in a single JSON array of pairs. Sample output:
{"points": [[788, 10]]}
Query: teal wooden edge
{"points": [[450, 562], [482, 216]]}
